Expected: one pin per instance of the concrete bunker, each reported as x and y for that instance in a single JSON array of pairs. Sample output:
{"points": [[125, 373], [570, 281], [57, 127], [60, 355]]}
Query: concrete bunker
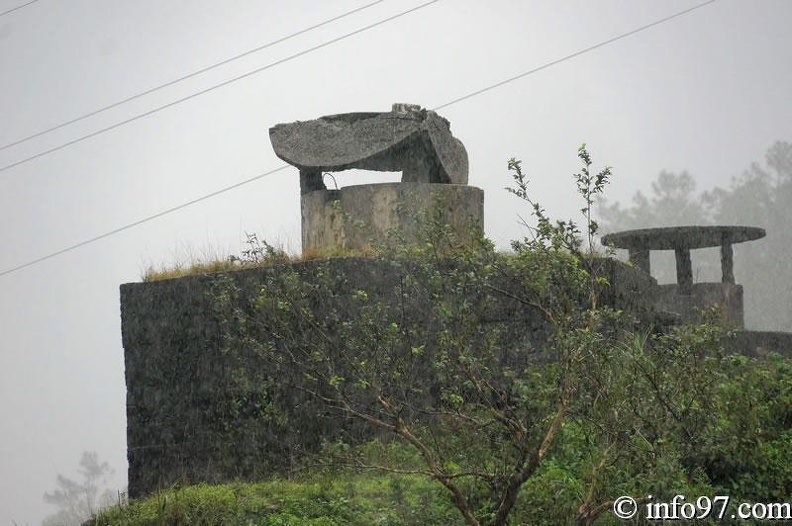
{"points": [[685, 296], [195, 409], [408, 139]]}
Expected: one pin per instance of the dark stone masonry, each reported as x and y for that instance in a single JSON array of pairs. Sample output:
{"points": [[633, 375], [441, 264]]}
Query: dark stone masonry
{"points": [[202, 409], [198, 411]]}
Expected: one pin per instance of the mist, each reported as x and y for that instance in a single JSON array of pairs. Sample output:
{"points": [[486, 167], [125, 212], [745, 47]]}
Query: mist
{"points": [[706, 92]]}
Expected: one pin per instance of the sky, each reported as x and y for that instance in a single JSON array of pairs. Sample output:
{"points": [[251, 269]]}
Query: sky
{"points": [[707, 92]]}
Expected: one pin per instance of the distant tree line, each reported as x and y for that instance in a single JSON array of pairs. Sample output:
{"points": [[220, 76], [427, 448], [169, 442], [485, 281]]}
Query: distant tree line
{"points": [[79, 500]]}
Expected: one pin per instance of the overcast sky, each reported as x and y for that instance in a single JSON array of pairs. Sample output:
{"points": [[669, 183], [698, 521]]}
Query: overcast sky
{"points": [[706, 92]]}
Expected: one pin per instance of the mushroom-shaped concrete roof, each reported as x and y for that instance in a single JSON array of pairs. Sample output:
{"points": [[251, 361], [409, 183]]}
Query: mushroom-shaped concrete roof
{"points": [[671, 238], [409, 139]]}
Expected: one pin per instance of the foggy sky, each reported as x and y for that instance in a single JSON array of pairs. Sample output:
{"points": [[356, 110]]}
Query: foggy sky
{"points": [[707, 92]]}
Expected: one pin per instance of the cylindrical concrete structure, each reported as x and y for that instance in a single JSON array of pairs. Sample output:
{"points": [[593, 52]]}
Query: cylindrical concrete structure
{"points": [[364, 216]]}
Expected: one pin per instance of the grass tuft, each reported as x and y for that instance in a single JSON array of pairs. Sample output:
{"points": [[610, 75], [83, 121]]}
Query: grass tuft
{"points": [[257, 254]]}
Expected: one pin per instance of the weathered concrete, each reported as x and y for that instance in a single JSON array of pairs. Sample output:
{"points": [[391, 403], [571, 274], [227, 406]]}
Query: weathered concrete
{"points": [[408, 139], [361, 216], [727, 296], [682, 239], [673, 237], [685, 297]]}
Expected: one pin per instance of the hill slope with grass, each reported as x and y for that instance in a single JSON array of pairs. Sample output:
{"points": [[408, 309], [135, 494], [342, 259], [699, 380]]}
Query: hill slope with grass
{"points": [[348, 498]]}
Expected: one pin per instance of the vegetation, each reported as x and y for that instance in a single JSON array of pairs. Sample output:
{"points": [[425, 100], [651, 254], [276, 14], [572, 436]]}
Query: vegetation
{"points": [[77, 501], [482, 416], [743, 453], [470, 428], [258, 253], [324, 499], [208, 266]]}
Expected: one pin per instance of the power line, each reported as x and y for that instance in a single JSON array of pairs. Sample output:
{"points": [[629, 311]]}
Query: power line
{"points": [[17, 7], [282, 167], [212, 88], [216, 86], [144, 220], [573, 55], [185, 77]]}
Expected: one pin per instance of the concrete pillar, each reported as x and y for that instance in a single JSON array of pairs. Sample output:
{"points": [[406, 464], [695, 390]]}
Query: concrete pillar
{"points": [[727, 261], [364, 216], [684, 268]]}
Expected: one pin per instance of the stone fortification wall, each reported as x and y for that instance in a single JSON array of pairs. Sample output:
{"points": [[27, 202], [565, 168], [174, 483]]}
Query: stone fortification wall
{"points": [[202, 405]]}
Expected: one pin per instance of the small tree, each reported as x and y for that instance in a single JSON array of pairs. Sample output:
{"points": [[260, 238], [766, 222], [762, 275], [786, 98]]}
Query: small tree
{"points": [[79, 501], [481, 413], [580, 407]]}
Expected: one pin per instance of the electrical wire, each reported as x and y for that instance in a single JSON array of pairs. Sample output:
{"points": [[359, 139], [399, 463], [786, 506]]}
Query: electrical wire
{"points": [[262, 175], [184, 77], [144, 220], [212, 88], [7, 11], [573, 55]]}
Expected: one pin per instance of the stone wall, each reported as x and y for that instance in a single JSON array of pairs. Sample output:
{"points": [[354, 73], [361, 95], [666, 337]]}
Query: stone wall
{"points": [[728, 296], [204, 406]]}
